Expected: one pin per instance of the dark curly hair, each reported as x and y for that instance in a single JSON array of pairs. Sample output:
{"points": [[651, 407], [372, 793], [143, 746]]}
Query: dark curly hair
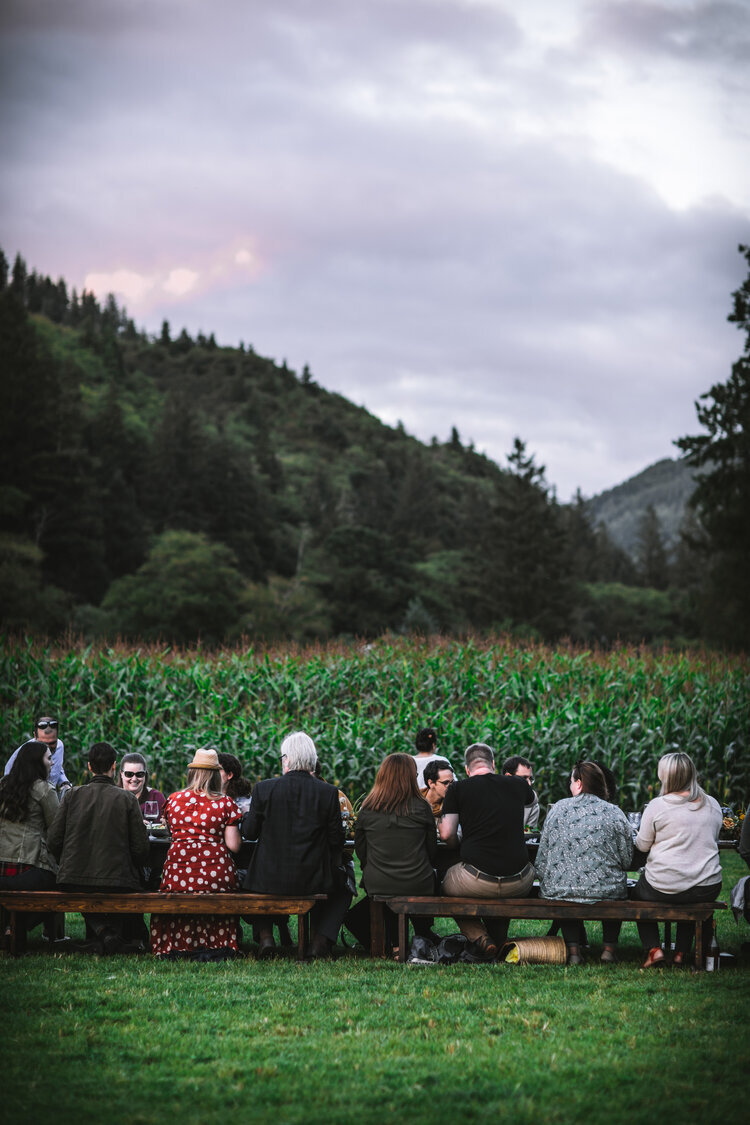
{"points": [[238, 785], [16, 786]]}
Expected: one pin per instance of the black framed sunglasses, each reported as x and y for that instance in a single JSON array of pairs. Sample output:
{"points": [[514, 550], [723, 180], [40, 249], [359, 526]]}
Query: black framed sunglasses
{"points": [[133, 773], [44, 723]]}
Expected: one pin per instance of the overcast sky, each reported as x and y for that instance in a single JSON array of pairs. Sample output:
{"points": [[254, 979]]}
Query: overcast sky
{"points": [[511, 218]]}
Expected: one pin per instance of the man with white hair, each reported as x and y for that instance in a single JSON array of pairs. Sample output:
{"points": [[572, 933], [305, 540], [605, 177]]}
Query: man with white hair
{"points": [[296, 819]]}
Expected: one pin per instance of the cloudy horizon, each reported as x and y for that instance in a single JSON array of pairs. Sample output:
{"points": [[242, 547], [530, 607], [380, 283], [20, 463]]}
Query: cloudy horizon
{"points": [[456, 213]]}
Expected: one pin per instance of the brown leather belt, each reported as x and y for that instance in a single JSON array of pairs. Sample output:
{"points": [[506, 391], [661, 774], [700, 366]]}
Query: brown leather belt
{"points": [[496, 878]]}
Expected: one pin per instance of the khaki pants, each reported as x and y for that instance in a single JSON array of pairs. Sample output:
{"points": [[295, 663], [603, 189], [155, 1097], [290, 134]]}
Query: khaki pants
{"points": [[460, 883]]}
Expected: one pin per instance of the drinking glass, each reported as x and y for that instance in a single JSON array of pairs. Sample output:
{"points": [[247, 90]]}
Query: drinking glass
{"points": [[151, 811]]}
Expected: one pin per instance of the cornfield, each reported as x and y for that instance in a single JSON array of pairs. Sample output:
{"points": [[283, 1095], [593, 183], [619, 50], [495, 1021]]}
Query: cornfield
{"points": [[623, 707]]}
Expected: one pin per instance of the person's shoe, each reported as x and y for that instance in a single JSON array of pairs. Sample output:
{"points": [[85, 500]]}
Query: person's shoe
{"points": [[266, 948], [655, 959], [608, 957], [575, 957], [94, 945], [485, 947], [320, 948], [115, 943], [679, 960]]}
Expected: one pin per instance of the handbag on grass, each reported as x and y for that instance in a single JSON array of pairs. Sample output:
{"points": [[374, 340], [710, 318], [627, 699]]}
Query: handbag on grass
{"points": [[535, 951]]}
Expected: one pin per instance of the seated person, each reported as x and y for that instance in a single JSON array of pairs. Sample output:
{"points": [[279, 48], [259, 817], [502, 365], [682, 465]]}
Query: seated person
{"points": [[522, 767], [396, 843], [490, 809], [233, 784], [101, 843], [28, 804], [203, 823], [45, 731], [680, 832], [133, 777], [437, 776], [296, 819], [427, 751], [584, 854]]}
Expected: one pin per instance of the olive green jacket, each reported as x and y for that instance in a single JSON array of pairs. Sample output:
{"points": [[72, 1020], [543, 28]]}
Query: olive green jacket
{"points": [[99, 837], [25, 842]]}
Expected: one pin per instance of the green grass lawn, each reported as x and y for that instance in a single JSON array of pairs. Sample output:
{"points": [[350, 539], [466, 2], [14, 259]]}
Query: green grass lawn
{"points": [[125, 1039]]}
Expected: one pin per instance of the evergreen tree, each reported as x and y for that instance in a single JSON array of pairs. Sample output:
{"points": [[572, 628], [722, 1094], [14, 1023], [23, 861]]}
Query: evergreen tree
{"points": [[653, 565], [19, 278], [722, 495]]}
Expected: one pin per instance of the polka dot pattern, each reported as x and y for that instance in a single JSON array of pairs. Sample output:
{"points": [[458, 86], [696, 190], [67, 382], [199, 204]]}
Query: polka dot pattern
{"points": [[197, 863]]}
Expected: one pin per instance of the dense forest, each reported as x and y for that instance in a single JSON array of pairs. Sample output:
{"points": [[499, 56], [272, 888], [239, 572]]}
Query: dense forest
{"points": [[166, 487]]}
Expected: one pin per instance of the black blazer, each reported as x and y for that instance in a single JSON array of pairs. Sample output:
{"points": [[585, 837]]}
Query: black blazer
{"points": [[296, 820]]}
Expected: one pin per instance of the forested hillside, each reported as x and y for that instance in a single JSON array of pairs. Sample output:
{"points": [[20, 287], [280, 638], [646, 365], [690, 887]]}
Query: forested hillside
{"points": [[666, 487], [168, 487]]}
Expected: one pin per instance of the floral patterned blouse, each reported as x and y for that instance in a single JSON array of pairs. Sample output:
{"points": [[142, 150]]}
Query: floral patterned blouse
{"points": [[585, 850]]}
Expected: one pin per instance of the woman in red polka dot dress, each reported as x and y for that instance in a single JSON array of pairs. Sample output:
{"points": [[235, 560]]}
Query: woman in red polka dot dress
{"points": [[203, 823]]}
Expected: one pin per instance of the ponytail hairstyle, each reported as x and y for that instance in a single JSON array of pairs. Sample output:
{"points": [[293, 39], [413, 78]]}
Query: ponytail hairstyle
{"points": [[592, 779]]}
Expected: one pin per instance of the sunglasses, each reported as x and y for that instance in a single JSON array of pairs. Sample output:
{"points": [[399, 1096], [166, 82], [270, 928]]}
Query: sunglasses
{"points": [[133, 773], [44, 724]]}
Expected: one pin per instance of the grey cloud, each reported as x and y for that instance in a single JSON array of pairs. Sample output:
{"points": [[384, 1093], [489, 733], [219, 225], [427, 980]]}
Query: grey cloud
{"points": [[714, 30], [439, 269]]}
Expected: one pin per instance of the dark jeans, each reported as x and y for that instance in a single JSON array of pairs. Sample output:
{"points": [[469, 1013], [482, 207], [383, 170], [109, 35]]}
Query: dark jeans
{"points": [[127, 927], [648, 931], [35, 879], [326, 918], [357, 922], [571, 931]]}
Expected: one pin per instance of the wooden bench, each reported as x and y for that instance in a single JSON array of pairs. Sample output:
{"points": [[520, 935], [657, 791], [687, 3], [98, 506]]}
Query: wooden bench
{"points": [[624, 910], [44, 902]]}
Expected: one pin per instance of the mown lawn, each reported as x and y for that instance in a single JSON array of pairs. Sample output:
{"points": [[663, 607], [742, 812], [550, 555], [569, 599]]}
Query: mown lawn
{"points": [[128, 1040]]}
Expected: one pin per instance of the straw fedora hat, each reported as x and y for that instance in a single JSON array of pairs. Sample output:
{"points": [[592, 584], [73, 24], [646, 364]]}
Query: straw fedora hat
{"points": [[205, 760]]}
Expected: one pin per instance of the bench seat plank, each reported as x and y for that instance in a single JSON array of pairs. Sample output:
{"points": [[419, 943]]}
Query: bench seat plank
{"points": [[626, 910], [22, 902]]}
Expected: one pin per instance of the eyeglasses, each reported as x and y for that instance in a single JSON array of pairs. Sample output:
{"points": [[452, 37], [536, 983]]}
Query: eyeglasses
{"points": [[133, 773], [448, 782], [44, 724]]}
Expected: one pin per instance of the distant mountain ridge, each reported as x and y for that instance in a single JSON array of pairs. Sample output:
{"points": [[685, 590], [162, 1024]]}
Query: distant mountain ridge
{"points": [[666, 485]]}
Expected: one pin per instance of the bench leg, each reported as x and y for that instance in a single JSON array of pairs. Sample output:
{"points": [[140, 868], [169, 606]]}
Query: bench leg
{"points": [[303, 922], [699, 945], [377, 929], [17, 933], [403, 935]]}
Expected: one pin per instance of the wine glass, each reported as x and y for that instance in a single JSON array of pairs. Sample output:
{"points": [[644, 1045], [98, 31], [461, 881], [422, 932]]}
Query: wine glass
{"points": [[634, 820], [151, 811]]}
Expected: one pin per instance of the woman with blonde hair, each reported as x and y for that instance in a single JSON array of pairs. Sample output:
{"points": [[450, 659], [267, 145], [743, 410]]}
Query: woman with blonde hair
{"points": [[395, 837], [679, 831], [203, 824]]}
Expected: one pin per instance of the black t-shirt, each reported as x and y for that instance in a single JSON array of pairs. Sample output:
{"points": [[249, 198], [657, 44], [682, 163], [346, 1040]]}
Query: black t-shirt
{"points": [[490, 809]]}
